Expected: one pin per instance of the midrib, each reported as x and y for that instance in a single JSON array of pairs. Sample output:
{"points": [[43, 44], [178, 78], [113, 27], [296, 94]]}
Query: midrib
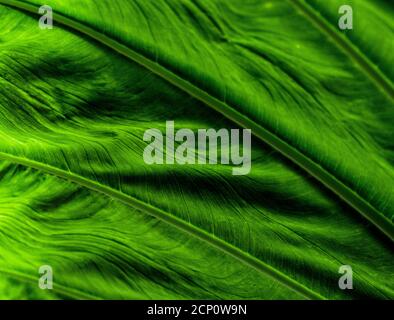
{"points": [[316, 170], [190, 229], [348, 195]]}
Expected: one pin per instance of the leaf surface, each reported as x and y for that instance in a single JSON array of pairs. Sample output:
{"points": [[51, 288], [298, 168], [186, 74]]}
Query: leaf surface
{"points": [[76, 109]]}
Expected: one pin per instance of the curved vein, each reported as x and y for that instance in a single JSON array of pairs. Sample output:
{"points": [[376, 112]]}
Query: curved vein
{"points": [[377, 77], [317, 171], [168, 218], [72, 293]]}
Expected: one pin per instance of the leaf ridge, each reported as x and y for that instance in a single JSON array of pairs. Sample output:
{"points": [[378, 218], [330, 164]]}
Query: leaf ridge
{"points": [[316, 170], [168, 218], [74, 293], [381, 81]]}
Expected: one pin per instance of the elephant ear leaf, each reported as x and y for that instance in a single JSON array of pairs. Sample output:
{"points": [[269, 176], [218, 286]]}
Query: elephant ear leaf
{"points": [[78, 197]]}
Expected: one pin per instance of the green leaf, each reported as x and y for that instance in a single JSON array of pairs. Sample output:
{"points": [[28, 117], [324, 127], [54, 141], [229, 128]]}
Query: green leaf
{"points": [[76, 100]]}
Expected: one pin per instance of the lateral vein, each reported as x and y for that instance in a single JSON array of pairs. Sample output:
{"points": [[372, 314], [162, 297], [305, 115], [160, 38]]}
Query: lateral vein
{"points": [[317, 171], [168, 218]]}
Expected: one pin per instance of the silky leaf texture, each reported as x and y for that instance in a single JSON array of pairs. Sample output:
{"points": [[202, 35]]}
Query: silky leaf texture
{"points": [[77, 195]]}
